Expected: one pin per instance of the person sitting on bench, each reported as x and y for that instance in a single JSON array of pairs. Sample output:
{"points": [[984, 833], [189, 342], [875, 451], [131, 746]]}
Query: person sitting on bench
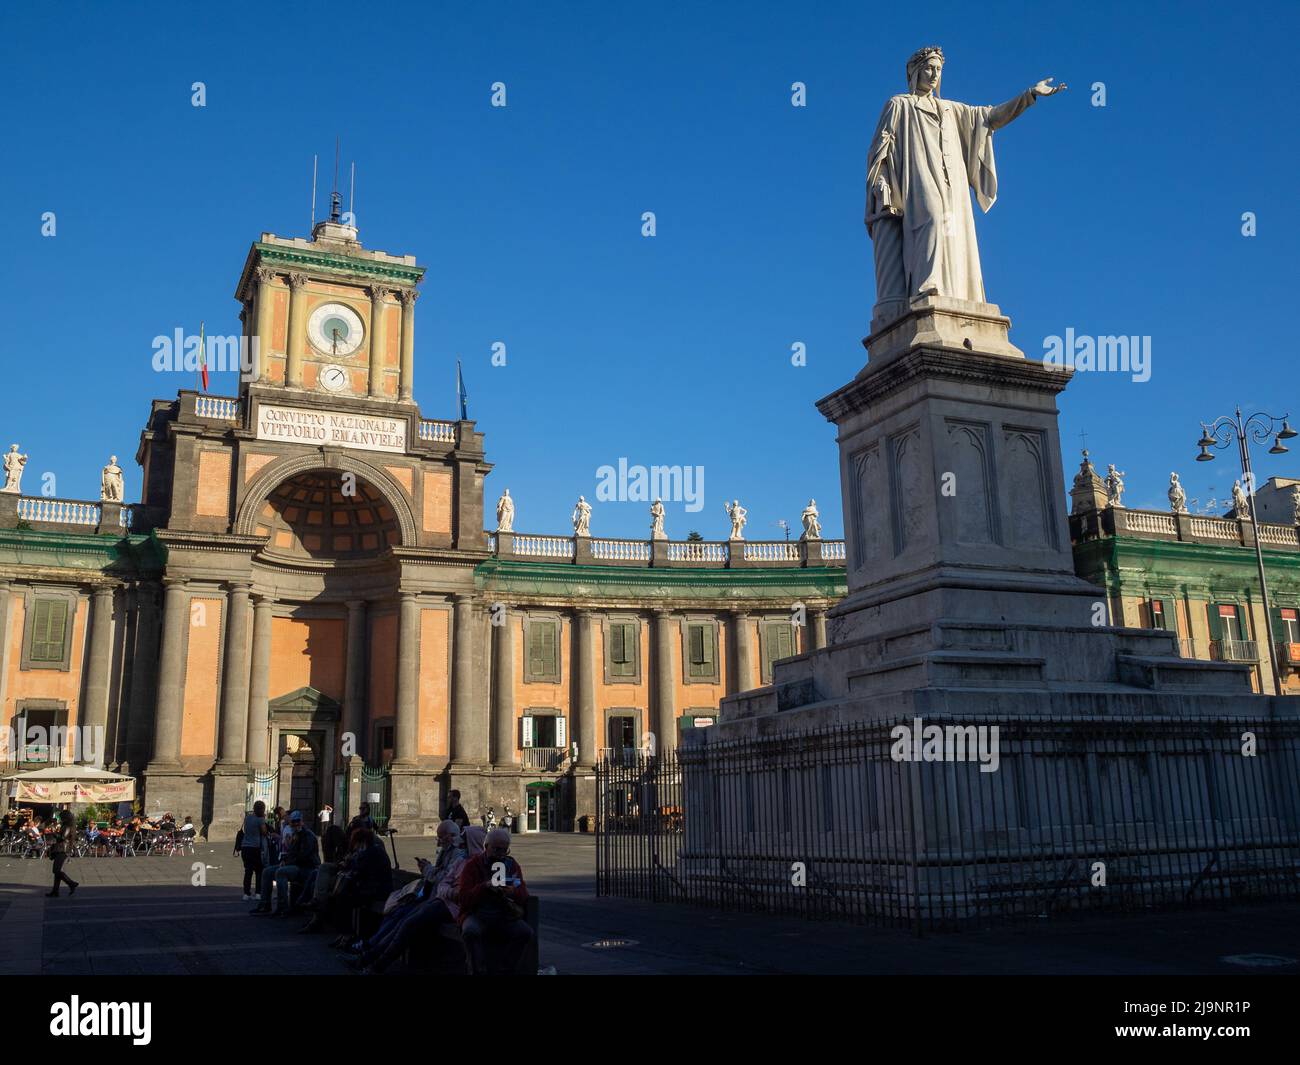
{"points": [[428, 906], [300, 857], [492, 896], [365, 878]]}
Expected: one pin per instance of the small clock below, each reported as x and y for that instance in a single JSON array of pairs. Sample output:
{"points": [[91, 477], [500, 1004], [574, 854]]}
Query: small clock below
{"points": [[333, 379]]}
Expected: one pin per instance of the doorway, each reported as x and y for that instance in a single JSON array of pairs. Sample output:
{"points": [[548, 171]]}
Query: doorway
{"points": [[541, 808], [304, 790]]}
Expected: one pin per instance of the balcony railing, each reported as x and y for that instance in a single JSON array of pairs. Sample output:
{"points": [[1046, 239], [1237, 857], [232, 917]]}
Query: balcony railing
{"points": [[716, 554], [547, 759], [1234, 650], [1289, 655], [437, 432]]}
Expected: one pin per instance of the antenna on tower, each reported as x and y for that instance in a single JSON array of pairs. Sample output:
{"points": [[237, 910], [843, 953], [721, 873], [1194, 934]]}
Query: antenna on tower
{"points": [[335, 199], [352, 195], [313, 193]]}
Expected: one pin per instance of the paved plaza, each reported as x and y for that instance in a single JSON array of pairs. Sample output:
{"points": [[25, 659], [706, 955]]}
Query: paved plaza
{"points": [[143, 916]]}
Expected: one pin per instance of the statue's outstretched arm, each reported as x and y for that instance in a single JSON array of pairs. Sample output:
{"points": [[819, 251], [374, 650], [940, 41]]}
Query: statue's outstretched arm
{"points": [[1002, 114]]}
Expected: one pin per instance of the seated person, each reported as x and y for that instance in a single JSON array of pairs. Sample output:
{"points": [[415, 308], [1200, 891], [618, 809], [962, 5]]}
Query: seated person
{"points": [[365, 877], [492, 895], [299, 858], [433, 903]]}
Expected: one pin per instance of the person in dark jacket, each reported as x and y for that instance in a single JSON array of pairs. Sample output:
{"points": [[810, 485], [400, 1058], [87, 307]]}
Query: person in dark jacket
{"points": [[300, 857], [492, 896], [455, 811], [59, 847], [365, 877]]}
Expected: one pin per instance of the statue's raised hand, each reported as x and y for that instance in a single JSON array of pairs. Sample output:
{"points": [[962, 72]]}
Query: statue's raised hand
{"points": [[1046, 88]]}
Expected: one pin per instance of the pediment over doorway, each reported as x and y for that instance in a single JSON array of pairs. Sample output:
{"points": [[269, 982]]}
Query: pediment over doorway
{"points": [[308, 701]]}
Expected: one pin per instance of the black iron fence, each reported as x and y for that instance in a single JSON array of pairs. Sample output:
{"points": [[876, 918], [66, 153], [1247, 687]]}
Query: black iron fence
{"points": [[986, 819]]}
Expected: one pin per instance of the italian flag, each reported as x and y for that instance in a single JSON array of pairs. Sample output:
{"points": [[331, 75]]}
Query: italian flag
{"points": [[203, 358]]}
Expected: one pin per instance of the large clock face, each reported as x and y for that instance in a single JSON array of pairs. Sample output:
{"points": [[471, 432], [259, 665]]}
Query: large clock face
{"points": [[335, 330]]}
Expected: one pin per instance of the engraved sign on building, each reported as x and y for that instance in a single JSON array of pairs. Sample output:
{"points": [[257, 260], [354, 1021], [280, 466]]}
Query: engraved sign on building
{"points": [[367, 432]]}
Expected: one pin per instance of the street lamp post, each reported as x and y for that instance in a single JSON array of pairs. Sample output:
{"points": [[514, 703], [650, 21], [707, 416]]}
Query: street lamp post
{"points": [[1258, 427]]}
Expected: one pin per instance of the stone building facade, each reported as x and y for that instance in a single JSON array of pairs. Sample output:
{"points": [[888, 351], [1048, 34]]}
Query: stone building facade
{"points": [[307, 587], [1197, 576]]}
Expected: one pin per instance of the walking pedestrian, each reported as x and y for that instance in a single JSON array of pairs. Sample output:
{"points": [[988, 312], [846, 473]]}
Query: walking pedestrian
{"points": [[63, 836]]}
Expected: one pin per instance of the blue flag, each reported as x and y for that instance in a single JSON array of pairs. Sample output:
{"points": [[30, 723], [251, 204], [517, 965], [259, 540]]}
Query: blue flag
{"points": [[461, 395]]}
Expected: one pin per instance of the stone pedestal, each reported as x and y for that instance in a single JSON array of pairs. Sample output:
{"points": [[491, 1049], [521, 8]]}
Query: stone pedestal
{"points": [[415, 799], [962, 592], [229, 796]]}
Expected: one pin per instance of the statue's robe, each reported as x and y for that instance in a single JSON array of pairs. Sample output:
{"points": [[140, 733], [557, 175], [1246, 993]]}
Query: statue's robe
{"points": [[925, 153]]}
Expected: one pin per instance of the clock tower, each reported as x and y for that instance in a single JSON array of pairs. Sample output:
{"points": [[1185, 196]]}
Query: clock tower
{"points": [[327, 319]]}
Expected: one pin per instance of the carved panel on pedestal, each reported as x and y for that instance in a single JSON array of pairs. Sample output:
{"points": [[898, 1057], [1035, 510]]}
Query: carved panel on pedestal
{"points": [[907, 489], [972, 488], [866, 532], [1028, 488]]}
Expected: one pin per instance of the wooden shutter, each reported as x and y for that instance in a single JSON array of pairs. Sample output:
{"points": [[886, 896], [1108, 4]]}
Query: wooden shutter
{"points": [[785, 641], [550, 661], [622, 654], [1216, 623], [49, 626], [536, 659], [696, 647]]}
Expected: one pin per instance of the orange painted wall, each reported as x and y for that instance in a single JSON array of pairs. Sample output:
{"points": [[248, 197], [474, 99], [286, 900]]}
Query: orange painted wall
{"points": [[435, 689], [43, 683], [308, 652], [202, 673], [383, 667]]}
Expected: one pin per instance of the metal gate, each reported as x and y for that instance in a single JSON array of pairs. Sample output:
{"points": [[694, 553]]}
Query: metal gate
{"points": [[261, 788], [375, 782]]}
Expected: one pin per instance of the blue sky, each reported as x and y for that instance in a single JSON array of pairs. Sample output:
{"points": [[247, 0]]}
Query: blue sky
{"points": [[1123, 219]]}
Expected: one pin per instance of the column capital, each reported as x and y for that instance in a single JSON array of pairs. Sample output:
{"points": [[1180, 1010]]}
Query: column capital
{"points": [[239, 587], [265, 275], [103, 591], [177, 583], [739, 613], [297, 281], [378, 293], [463, 598], [408, 296], [408, 596], [663, 613], [585, 612], [356, 604]]}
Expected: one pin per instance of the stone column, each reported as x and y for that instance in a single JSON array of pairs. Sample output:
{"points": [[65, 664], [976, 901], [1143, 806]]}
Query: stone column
{"points": [[405, 390], [744, 651], [469, 729], [296, 335], [99, 665], [257, 750], [354, 696], [6, 592], [503, 665], [665, 722], [234, 677], [265, 276], [819, 629], [167, 718], [585, 669], [377, 296], [406, 740]]}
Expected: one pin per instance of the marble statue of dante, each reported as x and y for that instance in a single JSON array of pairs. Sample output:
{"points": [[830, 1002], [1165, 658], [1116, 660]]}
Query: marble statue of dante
{"points": [[14, 463], [812, 526], [110, 482], [505, 512], [1240, 509], [925, 152], [738, 516], [1177, 497], [657, 521], [582, 518], [1114, 486]]}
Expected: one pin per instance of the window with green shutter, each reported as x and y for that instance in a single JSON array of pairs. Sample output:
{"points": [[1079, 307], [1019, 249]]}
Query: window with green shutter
{"points": [[49, 630], [543, 649], [701, 652], [778, 643], [622, 649]]}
